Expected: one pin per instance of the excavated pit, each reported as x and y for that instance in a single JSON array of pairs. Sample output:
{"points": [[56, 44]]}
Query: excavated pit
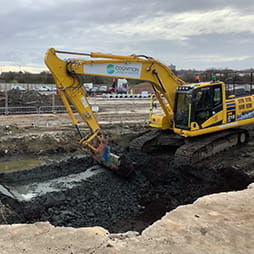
{"points": [[98, 197], [118, 204]]}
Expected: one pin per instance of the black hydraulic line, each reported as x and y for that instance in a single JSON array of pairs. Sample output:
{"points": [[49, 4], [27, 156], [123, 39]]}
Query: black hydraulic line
{"points": [[147, 57], [72, 53], [78, 130], [154, 88], [64, 88], [155, 72]]}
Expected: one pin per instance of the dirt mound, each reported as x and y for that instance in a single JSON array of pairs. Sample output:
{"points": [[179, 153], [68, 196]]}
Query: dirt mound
{"points": [[142, 87], [20, 98], [6, 130], [38, 143]]}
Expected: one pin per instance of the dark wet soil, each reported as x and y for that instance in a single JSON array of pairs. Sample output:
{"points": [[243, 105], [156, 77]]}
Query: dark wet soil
{"points": [[133, 203], [121, 204]]}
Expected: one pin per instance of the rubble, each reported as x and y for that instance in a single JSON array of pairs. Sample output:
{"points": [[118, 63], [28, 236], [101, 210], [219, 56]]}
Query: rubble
{"points": [[213, 224], [120, 205], [128, 205]]}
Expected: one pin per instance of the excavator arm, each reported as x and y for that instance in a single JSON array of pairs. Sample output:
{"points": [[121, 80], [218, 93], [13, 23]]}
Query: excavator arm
{"points": [[65, 73], [71, 91]]}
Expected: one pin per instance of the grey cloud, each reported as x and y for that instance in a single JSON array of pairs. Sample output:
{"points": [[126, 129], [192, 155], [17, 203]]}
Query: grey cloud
{"points": [[27, 31]]}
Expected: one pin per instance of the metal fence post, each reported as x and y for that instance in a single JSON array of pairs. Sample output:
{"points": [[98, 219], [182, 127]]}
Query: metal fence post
{"points": [[6, 100], [53, 102]]}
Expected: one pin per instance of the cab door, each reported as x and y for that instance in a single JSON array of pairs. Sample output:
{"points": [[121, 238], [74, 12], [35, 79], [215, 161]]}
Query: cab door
{"points": [[207, 102]]}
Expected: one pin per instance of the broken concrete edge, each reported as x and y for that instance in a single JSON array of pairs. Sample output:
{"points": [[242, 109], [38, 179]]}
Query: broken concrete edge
{"points": [[250, 186], [222, 221], [207, 202], [213, 223]]}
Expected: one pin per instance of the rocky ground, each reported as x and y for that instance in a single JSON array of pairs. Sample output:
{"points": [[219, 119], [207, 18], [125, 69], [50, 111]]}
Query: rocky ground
{"points": [[213, 224], [122, 205]]}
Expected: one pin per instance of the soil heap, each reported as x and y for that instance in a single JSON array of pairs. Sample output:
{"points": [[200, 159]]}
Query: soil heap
{"points": [[20, 98]]}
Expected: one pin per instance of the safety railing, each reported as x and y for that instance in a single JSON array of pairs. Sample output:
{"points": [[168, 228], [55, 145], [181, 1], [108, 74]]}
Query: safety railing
{"points": [[105, 112], [53, 109], [18, 110]]}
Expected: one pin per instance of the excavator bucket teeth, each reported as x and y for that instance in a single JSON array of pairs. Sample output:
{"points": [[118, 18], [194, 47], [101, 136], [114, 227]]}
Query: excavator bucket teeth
{"points": [[118, 164], [125, 167]]}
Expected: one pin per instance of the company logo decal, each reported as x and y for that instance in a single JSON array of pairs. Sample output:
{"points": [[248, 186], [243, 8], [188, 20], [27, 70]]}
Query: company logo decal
{"points": [[110, 69], [118, 69]]}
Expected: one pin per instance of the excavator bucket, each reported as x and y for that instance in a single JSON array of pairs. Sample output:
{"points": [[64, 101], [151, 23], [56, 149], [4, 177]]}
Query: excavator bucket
{"points": [[118, 164], [102, 154]]}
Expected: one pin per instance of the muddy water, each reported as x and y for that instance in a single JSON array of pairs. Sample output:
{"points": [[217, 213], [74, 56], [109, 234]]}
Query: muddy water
{"points": [[26, 163], [19, 165], [26, 192]]}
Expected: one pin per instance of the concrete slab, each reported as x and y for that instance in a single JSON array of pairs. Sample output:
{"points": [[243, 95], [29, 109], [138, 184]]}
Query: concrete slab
{"points": [[214, 224]]}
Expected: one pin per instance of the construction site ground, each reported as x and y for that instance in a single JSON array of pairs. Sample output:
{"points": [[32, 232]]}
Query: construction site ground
{"points": [[208, 208], [214, 224]]}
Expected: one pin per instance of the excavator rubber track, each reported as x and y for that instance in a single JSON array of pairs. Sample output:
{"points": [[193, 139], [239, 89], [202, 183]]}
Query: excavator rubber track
{"points": [[201, 148], [154, 140], [139, 143]]}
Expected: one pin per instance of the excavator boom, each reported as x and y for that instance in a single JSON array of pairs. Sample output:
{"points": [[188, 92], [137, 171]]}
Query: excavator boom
{"points": [[162, 79]]}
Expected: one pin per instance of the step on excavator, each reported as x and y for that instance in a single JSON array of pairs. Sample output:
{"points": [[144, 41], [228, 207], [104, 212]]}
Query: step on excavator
{"points": [[200, 119]]}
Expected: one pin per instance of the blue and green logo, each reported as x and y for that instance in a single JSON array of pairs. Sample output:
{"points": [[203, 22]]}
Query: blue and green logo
{"points": [[110, 69]]}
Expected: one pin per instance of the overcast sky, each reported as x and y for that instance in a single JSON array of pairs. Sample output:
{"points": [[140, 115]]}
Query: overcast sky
{"points": [[198, 34]]}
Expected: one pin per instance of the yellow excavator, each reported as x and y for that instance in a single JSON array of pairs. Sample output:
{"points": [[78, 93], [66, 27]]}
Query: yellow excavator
{"points": [[201, 119]]}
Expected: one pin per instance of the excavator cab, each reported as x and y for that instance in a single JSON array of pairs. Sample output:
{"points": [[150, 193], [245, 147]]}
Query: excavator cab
{"points": [[196, 104]]}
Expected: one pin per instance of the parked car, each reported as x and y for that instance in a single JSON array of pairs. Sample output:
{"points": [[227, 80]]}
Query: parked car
{"points": [[43, 88], [18, 87], [94, 89], [103, 89]]}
